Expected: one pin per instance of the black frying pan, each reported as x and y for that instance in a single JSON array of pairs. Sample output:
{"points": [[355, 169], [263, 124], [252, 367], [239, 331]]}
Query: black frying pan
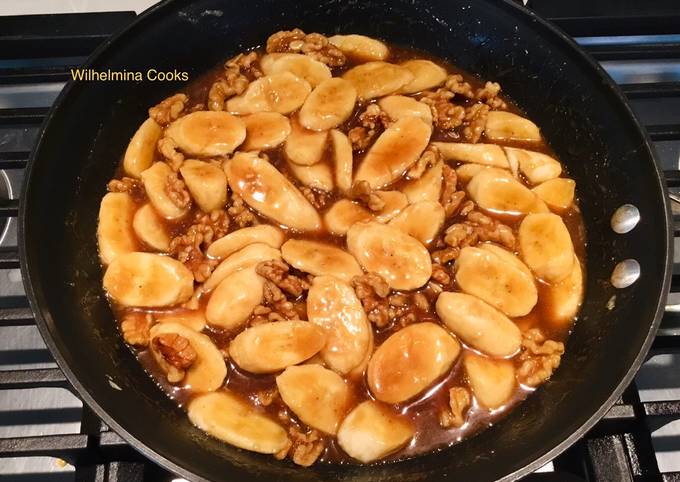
{"points": [[581, 113]]}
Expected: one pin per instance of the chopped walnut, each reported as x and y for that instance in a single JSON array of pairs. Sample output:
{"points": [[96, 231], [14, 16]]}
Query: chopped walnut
{"points": [[169, 109], [128, 185], [440, 274], [459, 401], [458, 86], [539, 357], [314, 45], [175, 354], [475, 118], [318, 199], [235, 80], [371, 121], [135, 328], [445, 255], [170, 151], [304, 447], [246, 64], [177, 191], [239, 212], [446, 116], [420, 301], [372, 290], [428, 158], [267, 397], [275, 307], [451, 198], [363, 192], [489, 95], [479, 227], [278, 273]]}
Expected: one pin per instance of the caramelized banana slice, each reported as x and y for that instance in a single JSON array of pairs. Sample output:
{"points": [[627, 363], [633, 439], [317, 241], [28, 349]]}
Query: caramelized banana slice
{"points": [[302, 66], [399, 258], [206, 182], [305, 147], [115, 235], [146, 279], [194, 319], [265, 130], [478, 324], [395, 202], [558, 193], [428, 187], [318, 176], [140, 151], [409, 361], [155, 180], [562, 300], [149, 229], [360, 47], [394, 152], [318, 396], [376, 79], [329, 105], [243, 237], [399, 106], [343, 214], [485, 154], [465, 172], [226, 416], [282, 92], [235, 298], [207, 372], [506, 256], [268, 191], [207, 133], [271, 347], [497, 191], [249, 255], [320, 259], [492, 381], [341, 150], [505, 126], [504, 286], [332, 304], [537, 167], [546, 247], [371, 431], [426, 75], [422, 220]]}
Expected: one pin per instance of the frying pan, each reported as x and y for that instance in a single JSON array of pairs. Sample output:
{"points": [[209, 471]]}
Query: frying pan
{"points": [[581, 112]]}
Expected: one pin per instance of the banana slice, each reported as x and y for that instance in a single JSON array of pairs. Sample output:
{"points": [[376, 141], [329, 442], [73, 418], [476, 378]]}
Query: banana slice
{"points": [[428, 187], [360, 47], [506, 256], [343, 215], [146, 279], [302, 66], [207, 372], [305, 147], [265, 130], [329, 105], [376, 79], [139, 153], [245, 257], [371, 431], [395, 202], [504, 286], [505, 126], [399, 106], [421, 220], [235, 298], [562, 300], [226, 416], [497, 191], [558, 193], [318, 176], [492, 381], [546, 247], [115, 235], [271, 347], [194, 319], [206, 182], [268, 191], [320, 259], [281, 92], [207, 133], [478, 324], [155, 180], [426, 75], [485, 154], [409, 361], [318, 396], [150, 229], [465, 172], [239, 239], [341, 150], [537, 167], [332, 304], [394, 152]]}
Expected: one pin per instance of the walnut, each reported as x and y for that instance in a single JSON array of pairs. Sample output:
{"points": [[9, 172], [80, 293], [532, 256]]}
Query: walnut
{"points": [[175, 355], [539, 357], [451, 198], [277, 272], [445, 255], [170, 151], [459, 401], [372, 290], [239, 212], [128, 185], [479, 227], [371, 121], [135, 328], [420, 301], [475, 118], [235, 79], [446, 115], [267, 397], [440, 274], [314, 45], [318, 199], [177, 191], [304, 447], [276, 306], [455, 84], [169, 109], [363, 192], [246, 64], [489, 95], [428, 158]]}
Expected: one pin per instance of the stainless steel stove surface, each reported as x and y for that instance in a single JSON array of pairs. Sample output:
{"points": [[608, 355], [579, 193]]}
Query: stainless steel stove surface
{"points": [[46, 434]]}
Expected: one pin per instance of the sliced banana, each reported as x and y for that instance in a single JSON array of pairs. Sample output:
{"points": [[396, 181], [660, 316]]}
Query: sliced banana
{"points": [[492, 381], [422, 220], [341, 149], [505, 126], [115, 234], [409, 361], [497, 191], [318, 176], [206, 182], [320, 259], [207, 133], [400, 259], [149, 229], [249, 255], [394, 152], [155, 181], [268, 191], [428, 187], [465, 172], [426, 75], [486, 275], [377, 78], [372, 431], [395, 202], [146, 279], [329, 105], [234, 299], [360, 47], [318, 396], [399, 106], [562, 300], [303, 146], [194, 319], [343, 214], [537, 167], [226, 416], [300, 65], [332, 304], [558, 193], [265, 130], [506, 256], [207, 372], [239, 239], [479, 324], [282, 92], [140, 152], [485, 154], [271, 347], [546, 247]]}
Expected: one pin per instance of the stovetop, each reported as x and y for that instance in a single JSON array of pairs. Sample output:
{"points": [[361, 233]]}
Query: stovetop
{"points": [[47, 434]]}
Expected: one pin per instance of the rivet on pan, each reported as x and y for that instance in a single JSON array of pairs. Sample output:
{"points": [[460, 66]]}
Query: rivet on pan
{"points": [[625, 219], [625, 273]]}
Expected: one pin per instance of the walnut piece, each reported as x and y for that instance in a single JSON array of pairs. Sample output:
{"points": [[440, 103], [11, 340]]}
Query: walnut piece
{"points": [[314, 45], [239, 212], [175, 355], [445, 115], [459, 401], [234, 81], [440, 274], [372, 291], [135, 328], [479, 227], [475, 118], [304, 447], [372, 121], [318, 199], [489, 95], [128, 185], [169, 109], [451, 198], [267, 397], [277, 272], [456, 85], [276, 306], [170, 151], [428, 158], [363, 192], [539, 357], [177, 191]]}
